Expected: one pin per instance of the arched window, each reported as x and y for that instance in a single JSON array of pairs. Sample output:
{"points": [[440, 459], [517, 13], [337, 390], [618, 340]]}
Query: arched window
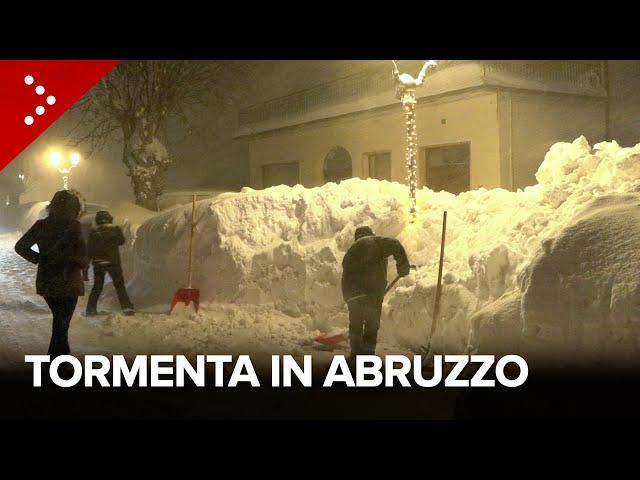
{"points": [[337, 165]]}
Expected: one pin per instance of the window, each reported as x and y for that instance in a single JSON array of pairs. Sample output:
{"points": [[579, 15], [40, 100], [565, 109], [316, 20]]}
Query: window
{"points": [[380, 165], [337, 165], [447, 168], [280, 174]]}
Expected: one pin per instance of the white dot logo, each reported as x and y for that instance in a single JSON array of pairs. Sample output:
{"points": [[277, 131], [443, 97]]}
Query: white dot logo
{"points": [[40, 109]]}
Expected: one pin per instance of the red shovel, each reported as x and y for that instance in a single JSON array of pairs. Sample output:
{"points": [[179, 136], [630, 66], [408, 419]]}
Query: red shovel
{"points": [[189, 294], [331, 340]]}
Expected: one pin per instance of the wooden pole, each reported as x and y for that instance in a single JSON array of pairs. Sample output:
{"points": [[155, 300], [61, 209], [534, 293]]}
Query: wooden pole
{"points": [[193, 224], [436, 305]]}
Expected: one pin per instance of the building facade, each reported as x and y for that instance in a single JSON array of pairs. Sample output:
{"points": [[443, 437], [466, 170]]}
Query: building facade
{"points": [[479, 124]]}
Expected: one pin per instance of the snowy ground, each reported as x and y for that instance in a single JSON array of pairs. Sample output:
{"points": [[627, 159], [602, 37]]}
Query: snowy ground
{"points": [[25, 320], [25, 325]]}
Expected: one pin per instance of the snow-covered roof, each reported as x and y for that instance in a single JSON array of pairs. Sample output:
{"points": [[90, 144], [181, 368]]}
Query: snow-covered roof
{"points": [[374, 88]]}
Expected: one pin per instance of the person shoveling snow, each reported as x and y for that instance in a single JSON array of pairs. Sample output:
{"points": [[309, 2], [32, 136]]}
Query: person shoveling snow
{"points": [[335, 339], [364, 283]]}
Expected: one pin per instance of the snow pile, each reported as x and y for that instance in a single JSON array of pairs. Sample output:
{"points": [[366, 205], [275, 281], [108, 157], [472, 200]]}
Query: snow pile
{"points": [[283, 246], [581, 291], [173, 198], [588, 275]]}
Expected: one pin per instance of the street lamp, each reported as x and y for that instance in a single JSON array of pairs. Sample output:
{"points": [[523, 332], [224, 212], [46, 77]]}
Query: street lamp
{"points": [[64, 162], [406, 87]]}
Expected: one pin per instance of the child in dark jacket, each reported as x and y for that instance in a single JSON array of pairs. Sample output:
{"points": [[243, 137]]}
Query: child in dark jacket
{"points": [[104, 243]]}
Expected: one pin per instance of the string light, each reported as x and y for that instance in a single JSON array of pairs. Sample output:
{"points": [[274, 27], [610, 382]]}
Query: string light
{"points": [[409, 104], [406, 90]]}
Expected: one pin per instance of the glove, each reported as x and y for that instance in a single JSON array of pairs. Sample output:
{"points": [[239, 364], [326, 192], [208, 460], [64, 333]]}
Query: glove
{"points": [[403, 270]]}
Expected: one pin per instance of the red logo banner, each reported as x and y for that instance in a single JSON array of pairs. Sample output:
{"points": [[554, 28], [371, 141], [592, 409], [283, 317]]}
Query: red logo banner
{"points": [[35, 93]]}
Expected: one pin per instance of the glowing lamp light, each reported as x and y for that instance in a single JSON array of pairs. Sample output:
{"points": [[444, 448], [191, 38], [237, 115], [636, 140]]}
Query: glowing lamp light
{"points": [[55, 158], [75, 159], [64, 163]]}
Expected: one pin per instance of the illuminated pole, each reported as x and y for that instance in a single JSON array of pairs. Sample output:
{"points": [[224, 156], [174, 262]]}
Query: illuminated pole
{"points": [[64, 167], [409, 104], [406, 87]]}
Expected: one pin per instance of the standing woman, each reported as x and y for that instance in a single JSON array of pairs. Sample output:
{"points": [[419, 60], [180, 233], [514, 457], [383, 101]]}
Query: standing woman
{"points": [[62, 258]]}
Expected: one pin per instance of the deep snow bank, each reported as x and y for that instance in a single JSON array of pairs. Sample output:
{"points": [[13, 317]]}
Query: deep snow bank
{"points": [[588, 277], [284, 245]]}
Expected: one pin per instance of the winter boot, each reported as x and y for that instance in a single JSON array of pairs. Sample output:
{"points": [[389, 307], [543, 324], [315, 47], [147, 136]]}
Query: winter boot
{"points": [[128, 312], [355, 342], [91, 312], [368, 349]]}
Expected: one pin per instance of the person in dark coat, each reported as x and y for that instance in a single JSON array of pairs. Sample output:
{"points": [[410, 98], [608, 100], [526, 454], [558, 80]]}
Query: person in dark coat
{"points": [[364, 280], [61, 259], [104, 243]]}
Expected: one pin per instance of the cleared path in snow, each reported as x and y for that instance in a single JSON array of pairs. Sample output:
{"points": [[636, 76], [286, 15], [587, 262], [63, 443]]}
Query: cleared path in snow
{"points": [[25, 324], [25, 320]]}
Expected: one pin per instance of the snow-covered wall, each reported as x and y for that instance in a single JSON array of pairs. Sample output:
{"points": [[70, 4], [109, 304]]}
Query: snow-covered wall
{"points": [[284, 245]]}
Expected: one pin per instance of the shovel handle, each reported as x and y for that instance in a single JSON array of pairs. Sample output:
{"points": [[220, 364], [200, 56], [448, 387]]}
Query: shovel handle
{"points": [[436, 306], [398, 277], [390, 286], [192, 228]]}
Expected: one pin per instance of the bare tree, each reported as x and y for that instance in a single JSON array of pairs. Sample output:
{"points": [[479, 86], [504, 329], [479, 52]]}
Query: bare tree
{"points": [[136, 101]]}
